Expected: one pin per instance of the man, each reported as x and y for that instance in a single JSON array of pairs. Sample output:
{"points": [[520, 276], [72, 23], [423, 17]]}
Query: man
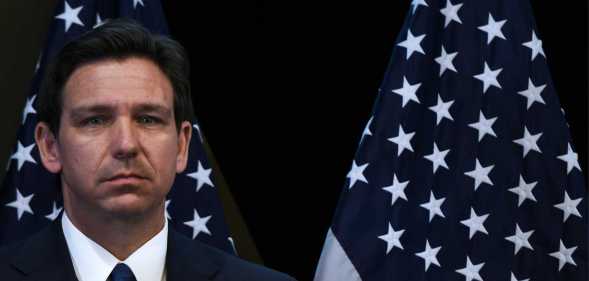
{"points": [[114, 111]]}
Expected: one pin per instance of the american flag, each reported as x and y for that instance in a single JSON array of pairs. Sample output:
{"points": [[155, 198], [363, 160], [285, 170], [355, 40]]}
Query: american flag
{"points": [[30, 197], [466, 169]]}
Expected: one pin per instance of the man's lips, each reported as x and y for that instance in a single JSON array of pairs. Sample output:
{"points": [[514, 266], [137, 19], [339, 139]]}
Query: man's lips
{"points": [[125, 179]]}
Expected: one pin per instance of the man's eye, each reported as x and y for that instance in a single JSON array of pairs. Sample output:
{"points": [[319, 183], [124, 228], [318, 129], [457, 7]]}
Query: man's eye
{"points": [[93, 121], [148, 119]]}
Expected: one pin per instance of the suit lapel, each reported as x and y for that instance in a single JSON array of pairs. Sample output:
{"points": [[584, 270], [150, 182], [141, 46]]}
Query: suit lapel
{"points": [[45, 256], [187, 260]]}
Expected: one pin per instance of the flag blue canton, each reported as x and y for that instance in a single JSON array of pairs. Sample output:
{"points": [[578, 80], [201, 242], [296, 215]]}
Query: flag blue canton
{"points": [[31, 198], [466, 169]]}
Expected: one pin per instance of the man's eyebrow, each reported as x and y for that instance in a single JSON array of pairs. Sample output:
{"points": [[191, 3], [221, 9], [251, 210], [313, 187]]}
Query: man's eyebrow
{"points": [[156, 108], [80, 111]]}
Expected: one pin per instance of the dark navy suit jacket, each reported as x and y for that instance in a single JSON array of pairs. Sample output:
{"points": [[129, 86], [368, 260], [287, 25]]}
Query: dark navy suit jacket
{"points": [[45, 257]]}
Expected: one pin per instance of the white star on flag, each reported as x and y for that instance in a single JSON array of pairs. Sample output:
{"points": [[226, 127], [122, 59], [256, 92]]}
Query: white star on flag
{"points": [[166, 208], [515, 279], [197, 130], [407, 92], [520, 239], [571, 158], [434, 206], [21, 204], [569, 206], [29, 109], [70, 16], [198, 224], [533, 93], [429, 255], [471, 271], [38, 65], [493, 29], [397, 189], [489, 77], [54, 213], [475, 223], [23, 154], [403, 140], [529, 142], [140, 2], [524, 191], [437, 158], [392, 238], [564, 114], [564, 255], [232, 244], [202, 176], [99, 21], [480, 174], [357, 174], [535, 45], [445, 61], [367, 131], [450, 13], [412, 44], [416, 3], [484, 126], [442, 110]]}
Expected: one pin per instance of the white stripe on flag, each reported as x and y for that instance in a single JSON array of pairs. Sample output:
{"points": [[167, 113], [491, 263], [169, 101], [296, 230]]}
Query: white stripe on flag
{"points": [[334, 264]]}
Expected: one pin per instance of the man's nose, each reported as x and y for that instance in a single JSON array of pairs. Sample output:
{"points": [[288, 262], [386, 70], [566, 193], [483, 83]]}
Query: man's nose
{"points": [[125, 140]]}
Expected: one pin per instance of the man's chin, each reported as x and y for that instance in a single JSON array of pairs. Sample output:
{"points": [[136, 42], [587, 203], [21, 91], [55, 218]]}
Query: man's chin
{"points": [[129, 208]]}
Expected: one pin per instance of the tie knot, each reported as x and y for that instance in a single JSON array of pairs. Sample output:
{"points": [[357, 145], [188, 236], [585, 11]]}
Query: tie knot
{"points": [[122, 272]]}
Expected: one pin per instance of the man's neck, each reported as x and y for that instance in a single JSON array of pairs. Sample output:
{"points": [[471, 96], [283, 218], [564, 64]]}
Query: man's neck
{"points": [[121, 237]]}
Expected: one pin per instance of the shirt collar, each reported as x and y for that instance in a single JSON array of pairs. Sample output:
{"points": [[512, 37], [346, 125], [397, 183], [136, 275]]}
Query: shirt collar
{"points": [[94, 263]]}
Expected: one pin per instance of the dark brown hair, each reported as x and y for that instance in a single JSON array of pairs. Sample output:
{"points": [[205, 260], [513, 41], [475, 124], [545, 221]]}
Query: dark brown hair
{"points": [[117, 39]]}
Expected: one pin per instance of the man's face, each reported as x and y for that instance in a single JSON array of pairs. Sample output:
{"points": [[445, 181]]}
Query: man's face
{"points": [[118, 149]]}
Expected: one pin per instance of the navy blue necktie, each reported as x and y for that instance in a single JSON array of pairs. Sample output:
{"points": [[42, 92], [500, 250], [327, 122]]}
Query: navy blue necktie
{"points": [[122, 272]]}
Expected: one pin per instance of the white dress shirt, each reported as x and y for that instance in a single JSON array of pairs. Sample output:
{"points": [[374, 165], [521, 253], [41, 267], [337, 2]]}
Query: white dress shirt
{"points": [[94, 263]]}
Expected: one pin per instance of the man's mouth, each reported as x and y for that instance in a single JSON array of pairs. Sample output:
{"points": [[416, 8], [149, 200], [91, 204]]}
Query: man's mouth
{"points": [[125, 178]]}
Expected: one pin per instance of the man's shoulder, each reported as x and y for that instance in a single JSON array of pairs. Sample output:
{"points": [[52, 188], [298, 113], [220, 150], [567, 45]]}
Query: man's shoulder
{"points": [[40, 253], [237, 268], [7, 252], [14, 250], [232, 267]]}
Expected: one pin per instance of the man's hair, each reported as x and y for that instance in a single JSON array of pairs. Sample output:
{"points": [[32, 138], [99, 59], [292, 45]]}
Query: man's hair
{"points": [[117, 39]]}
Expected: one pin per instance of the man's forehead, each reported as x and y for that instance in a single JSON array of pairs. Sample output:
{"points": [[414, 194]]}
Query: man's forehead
{"points": [[133, 81], [140, 70]]}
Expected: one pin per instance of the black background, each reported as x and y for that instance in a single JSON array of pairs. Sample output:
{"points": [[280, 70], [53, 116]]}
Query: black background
{"points": [[283, 91]]}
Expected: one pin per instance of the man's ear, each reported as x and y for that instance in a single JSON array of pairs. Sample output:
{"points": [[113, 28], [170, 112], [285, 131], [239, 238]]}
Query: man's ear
{"points": [[184, 136], [47, 144]]}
